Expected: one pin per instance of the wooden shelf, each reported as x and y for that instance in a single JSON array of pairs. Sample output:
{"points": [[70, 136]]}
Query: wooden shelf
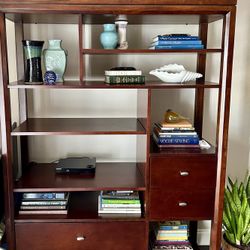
{"points": [[108, 176], [83, 207], [103, 85], [147, 51], [79, 126]]}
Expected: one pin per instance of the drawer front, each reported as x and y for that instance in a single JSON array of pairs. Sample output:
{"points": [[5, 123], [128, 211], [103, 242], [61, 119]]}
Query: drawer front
{"points": [[81, 236], [167, 205], [183, 172]]}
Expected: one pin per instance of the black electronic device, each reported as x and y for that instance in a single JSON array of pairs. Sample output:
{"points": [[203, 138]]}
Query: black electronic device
{"points": [[77, 165]]}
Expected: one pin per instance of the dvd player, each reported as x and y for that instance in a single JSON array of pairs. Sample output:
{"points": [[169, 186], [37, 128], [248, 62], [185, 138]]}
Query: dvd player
{"points": [[76, 165]]}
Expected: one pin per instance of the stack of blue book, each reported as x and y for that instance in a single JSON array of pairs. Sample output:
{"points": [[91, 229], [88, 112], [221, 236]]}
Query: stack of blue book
{"points": [[176, 41]]}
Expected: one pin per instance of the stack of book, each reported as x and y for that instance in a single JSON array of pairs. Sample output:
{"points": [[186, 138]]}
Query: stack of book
{"points": [[176, 41], [175, 135], [44, 203], [172, 235], [119, 202], [124, 75]]}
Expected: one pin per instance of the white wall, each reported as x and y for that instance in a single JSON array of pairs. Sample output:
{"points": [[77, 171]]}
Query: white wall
{"points": [[239, 134]]}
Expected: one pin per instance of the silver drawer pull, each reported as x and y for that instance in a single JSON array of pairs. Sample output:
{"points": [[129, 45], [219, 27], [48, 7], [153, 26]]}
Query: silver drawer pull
{"points": [[184, 173], [182, 204], [80, 238]]}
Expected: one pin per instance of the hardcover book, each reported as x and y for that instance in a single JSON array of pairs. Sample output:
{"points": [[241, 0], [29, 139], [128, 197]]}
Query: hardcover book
{"points": [[176, 42], [45, 196], [126, 79], [178, 46], [181, 124], [175, 38], [123, 72]]}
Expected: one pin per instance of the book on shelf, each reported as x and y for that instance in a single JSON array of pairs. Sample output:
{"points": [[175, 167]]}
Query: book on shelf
{"points": [[45, 196], [176, 42], [175, 37], [43, 211], [173, 227], [44, 202], [184, 123], [174, 129], [123, 72], [125, 79], [176, 140], [178, 46], [50, 207], [173, 247], [170, 133]]}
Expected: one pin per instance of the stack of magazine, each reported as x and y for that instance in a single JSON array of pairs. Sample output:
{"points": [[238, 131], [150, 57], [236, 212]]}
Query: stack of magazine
{"points": [[124, 75], [44, 203], [175, 135], [172, 235], [119, 202], [176, 41]]}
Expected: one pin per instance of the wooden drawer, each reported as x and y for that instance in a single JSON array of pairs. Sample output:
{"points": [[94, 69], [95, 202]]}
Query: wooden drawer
{"points": [[167, 205], [63, 236], [183, 172]]}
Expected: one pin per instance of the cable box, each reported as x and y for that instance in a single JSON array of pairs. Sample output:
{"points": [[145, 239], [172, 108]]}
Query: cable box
{"points": [[77, 165]]}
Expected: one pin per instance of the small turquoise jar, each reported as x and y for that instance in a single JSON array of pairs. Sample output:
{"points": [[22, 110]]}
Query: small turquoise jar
{"points": [[109, 37]]}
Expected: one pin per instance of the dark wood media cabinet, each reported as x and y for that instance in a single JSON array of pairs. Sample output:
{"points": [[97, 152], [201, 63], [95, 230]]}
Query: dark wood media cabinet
{"points": [[161, 186]]}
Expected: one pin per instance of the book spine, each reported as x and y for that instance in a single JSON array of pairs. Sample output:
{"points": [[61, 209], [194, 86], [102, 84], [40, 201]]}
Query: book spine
{"points": [[120, 197], [44, 196], [187, 46], [178, 141], [177, 231], [121, 205], [43, 211], [42, 207], [112, 201], [43, 203], [123, 72], [176, 136], [163, 227], [175, 38], [125, 79], [177, 42]]}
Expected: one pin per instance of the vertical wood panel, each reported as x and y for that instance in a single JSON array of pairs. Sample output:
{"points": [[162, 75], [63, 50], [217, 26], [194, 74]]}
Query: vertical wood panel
{"points": [[223, 130], [6, 138], [81, 61], [221, 78], [199, 93]]}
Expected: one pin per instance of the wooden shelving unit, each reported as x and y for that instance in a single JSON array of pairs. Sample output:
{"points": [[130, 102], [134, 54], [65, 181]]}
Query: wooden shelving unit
{"points": [[157, 178]]}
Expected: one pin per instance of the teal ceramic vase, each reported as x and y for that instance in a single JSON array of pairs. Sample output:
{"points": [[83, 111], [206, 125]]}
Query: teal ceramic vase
{"points": [[109, 37], [55, 59]]}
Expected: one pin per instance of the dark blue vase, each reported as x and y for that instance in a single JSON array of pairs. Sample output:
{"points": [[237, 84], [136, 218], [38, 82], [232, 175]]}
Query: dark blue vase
{"points": [[33, 68]]}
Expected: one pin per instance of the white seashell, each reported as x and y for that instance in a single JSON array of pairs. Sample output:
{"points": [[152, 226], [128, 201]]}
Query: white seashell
{"points": [[175, 73]]}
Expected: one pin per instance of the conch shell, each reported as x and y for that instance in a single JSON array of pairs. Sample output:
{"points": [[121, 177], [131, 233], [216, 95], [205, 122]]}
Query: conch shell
{"points": [[174, 73]]}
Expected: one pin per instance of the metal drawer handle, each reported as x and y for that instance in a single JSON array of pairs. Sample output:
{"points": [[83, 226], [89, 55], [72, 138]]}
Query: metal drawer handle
{"points": [[80, 238], [184, 173], [182, 204]]}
